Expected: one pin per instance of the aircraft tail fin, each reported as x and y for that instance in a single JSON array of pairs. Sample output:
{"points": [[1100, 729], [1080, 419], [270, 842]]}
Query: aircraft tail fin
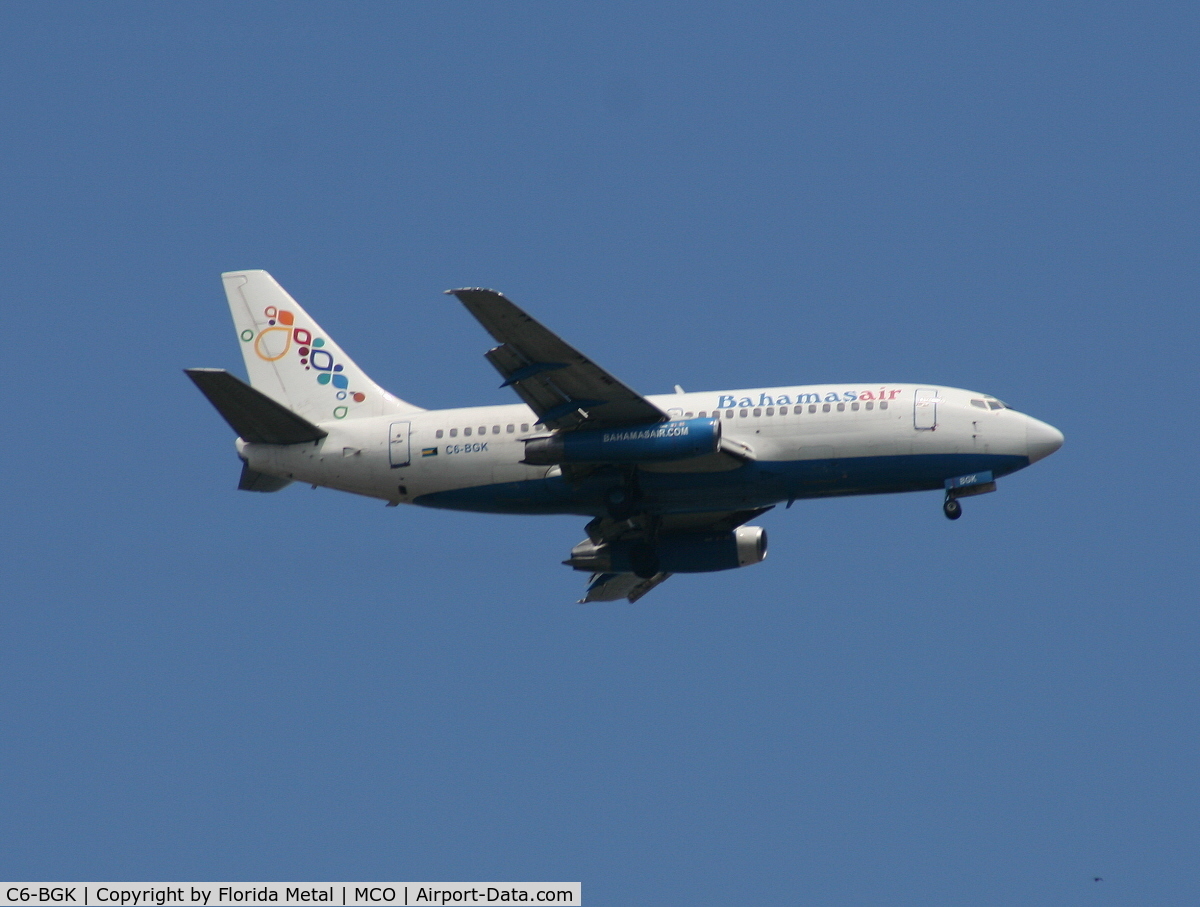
{"points": [[292, 360]]}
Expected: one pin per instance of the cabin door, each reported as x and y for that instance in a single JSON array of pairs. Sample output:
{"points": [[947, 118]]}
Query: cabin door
{"points": [[398, 454], [925, 409]]}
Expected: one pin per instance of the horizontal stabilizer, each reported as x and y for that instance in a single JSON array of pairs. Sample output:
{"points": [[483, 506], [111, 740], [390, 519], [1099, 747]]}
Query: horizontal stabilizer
{"points": [[252, 414], [252, 480]]}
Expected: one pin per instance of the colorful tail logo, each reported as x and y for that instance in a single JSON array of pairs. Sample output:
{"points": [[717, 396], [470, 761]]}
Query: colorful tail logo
{"points": [[274, 342]]}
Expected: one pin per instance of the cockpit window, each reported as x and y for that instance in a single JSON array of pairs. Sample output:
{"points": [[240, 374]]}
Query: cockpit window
{"points": [[990, 403]]}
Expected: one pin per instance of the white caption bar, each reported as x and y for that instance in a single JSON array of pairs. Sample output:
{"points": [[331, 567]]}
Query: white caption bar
{"points": [[291, 894]]}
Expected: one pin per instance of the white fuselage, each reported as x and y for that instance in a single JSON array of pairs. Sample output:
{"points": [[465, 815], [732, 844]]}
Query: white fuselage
{"points": [[841, 439]]}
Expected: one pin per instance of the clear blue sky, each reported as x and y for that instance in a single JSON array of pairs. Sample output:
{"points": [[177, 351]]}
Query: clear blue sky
{"points": [[202, 684]]}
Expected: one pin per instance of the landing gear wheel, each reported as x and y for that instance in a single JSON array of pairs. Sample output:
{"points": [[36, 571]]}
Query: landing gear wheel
{"points": [[616, 502], [620, 502], [615, 497], [952, 509]]}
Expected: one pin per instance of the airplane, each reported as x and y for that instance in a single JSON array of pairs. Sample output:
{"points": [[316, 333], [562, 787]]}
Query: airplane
{"points": [[670, 482]]}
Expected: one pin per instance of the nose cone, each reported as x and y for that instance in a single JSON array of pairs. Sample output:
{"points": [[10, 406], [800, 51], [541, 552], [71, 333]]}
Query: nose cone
{"points": [[1041, 439]]}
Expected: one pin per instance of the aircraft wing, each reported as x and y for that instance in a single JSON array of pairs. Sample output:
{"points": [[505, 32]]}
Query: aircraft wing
{"points": [[609, 587], [565, 388]]}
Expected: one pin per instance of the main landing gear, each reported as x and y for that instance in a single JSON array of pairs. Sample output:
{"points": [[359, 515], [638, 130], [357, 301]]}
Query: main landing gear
{"points": [[622, 501], [952, 508]]}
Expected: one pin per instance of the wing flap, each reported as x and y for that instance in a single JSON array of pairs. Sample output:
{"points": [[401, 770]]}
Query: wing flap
{"points": [[610, 587], [560, 384]]}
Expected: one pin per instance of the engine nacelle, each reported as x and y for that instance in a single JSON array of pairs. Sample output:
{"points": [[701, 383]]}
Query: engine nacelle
{"points": [[662, 441], [674, 552]]}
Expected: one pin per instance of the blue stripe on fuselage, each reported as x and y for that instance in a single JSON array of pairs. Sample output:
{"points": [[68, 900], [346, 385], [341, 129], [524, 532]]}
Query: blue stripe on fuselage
{"points": [[756, 484]]}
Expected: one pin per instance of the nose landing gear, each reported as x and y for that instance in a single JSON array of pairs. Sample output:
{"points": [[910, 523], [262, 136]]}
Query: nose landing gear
{"points": [[952, 508], [965, 487]]}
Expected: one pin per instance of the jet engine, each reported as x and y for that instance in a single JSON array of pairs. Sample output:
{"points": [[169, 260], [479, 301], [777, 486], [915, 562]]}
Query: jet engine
{"points": [[673, 552], [654, 442]]}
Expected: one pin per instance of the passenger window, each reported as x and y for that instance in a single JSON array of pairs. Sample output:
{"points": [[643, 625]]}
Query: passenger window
{"points": [[703, 414], [758, 412], [825, 408], [495, 429], [812, 407], [483, 429], [770, 410], [854, 406], [524, 427], [466, 432], [538, 426], [783, 410], [883, 404], [743, 413], [510, 428], [870, 405], [841, 407], [439, 433], [728, 414], [979, 403], [454, 432], [687, 415]]}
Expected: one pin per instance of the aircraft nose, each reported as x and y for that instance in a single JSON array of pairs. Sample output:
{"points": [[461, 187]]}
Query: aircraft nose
{"points": [[1041, 439]]}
